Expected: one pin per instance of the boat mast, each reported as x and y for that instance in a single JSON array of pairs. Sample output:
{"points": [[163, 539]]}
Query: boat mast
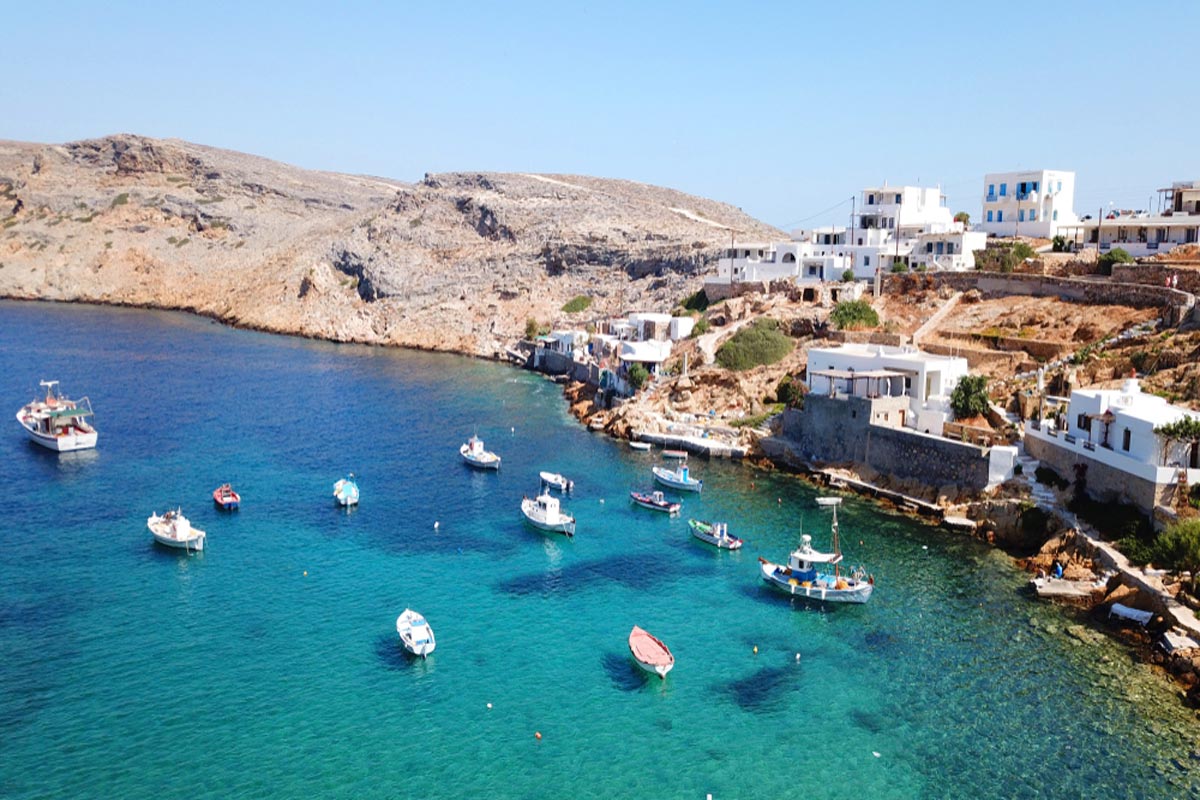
{"points": [[837, 547]]}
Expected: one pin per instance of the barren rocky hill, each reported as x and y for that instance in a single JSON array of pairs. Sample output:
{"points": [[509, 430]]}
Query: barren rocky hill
{"points": [[455, 262]]}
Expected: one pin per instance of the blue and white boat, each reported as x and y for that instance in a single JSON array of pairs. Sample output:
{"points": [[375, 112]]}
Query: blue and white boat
{"points": [[415, 633], [345, 491], [807, 573], [473, 454], [679, 478]]}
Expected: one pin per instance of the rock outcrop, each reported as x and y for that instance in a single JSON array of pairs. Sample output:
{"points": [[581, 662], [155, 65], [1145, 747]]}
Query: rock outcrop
{"points": [[455, 262]]}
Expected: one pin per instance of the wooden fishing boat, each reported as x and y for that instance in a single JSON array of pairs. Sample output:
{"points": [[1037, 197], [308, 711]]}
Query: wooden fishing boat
{"points": [[655, 501], [714, 533], [808, 572], [649, 653], [225, 497]]}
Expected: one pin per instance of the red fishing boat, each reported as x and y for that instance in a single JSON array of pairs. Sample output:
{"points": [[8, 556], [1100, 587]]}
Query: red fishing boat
{"points": [[225, 497]]}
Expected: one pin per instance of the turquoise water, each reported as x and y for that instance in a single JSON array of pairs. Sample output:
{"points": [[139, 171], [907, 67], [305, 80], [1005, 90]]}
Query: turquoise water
{"points": [[136, 672]]}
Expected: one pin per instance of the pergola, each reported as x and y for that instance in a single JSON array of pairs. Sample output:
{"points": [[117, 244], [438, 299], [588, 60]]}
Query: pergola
{"points": [[852, 378]]}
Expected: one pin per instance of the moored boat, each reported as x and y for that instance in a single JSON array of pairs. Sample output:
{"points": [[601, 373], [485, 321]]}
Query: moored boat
{"points": [[345, 491], [58, 423], [677, 478], [807, 573], [174, 530], [655, 501], [225, 497], [714, 533], [415, 634], [639, 445], [556, 481], [544, 512], [676, 454], [474, 454], [649, 653]]}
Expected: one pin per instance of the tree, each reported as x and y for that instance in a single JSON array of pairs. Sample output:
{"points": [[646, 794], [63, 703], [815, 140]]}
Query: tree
{"points": [[638, 375], [790, 392], [848, 276], [963, 217], [1178, 548], [1117, 255], [531, 329], [1185, 430], [854, 314], [1059, 244], [970, 397]]}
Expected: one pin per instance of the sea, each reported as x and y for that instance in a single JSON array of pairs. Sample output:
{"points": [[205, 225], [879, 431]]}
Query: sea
{"points": [[269, 665]]}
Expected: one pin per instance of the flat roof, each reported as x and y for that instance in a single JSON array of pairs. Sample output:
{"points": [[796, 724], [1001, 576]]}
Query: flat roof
{"points": [[850, 373]]}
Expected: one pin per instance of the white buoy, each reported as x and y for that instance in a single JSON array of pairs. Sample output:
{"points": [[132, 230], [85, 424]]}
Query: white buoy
{"points": [[436, 525], [797, 656], [875, 753], [601, 499], [489, 705]]}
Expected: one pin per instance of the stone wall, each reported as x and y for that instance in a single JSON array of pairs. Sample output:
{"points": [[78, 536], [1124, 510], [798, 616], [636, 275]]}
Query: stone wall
{"points": [[1157, 274], [1104, 483], [838, 430]]}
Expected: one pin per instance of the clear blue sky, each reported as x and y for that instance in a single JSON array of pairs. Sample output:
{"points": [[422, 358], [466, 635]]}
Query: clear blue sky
{"points": [[783, 109]]}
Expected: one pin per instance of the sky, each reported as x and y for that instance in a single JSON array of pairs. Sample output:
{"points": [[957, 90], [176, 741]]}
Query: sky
{"points": [[784, 110]]}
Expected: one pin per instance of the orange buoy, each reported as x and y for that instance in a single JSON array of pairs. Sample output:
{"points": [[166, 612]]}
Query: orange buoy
{"points": [[537, 735]]}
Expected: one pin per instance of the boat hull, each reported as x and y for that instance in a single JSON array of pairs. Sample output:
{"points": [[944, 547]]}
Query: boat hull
{"points": [[61, 444], [649, 653], [667, 479], [418, 638], [470, 461], [564, 526], [650, 669], [703, 532], [857, 591], [666, 508], [163, 535]]}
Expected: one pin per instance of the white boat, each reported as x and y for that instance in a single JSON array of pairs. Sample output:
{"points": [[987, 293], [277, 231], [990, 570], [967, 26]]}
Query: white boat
{"points": [[677, 478], [556, 481], [650, 653], [715, 533], [345, 491], [173, 530], [415, 634], [544, 512], [639, 445], [474, 454], [655, 501], [807, 572], [676, 454], [58, 423]]}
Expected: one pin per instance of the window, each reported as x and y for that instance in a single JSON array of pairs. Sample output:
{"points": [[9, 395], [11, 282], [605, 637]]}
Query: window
{"points": [[1035, 186], [991, 190], [1083, 423], [950, 248], [898, 201], [929, 247], [866, 261], [1021, 215], [870, 199], [1060, 186], [999, 216], [1033, 215], [941, 248], [1125, 440], [1054, 215], [1004, 190], [989, 216]]}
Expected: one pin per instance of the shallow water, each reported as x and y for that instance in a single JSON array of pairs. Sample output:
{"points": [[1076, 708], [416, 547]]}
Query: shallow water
{"points": [[269, 665]]}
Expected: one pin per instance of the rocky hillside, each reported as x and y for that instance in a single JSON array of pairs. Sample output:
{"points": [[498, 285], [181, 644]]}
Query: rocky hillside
{"points": [[455, 262]]}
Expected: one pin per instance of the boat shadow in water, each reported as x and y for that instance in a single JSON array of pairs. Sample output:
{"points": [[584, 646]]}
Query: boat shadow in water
{"points": [[393, 656], [761, 691], [633, 571], [623, 673]]}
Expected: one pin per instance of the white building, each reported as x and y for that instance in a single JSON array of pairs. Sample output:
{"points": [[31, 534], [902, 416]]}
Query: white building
{"points": [[873, 370], [1029, 203], [952, 250], [1144, 233], [1115, 427]]}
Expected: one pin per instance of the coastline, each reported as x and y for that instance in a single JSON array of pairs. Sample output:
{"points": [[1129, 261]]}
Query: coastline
{"points": [[1182, 670]]}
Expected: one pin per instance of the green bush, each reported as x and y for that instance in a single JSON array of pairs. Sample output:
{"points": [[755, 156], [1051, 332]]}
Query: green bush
{"points": [[790, 392], [1117, 255], [1178, 547], [1022, 251], [854, 314], [754, 345], [899, 267], [531, 329], [963, 217], [970, 397], [120, 200], [638, 375], [701, 327], [696, 302], [1059, 244], [848, 276], [576, 304]]}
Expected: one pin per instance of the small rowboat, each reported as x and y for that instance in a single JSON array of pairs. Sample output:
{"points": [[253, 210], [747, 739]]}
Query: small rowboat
{"points": [[650, 654], [715, 533], [415, 634], [556, 481], [656, 502], [679, 454], [173, 530], [639, 445], [225, 497]]}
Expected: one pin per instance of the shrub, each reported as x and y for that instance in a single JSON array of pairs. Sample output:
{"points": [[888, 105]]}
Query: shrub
{"points": [[1022, 251], [696, 302], [531, 329], [576, 304], [970, 397], [638, 375], [701, 327], [899, 266], [120, 200], [848, 276], [1117, 255], [754, 345], [1059, 244], [1178, 547], [854, 314], [963, 217], [790, 392]]}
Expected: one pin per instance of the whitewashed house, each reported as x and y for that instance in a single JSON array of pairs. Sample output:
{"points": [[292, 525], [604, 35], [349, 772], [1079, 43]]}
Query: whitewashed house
{"points": [[1111, 433], [950, 250], [1144, 233], [1028, 203], [869, 370]]}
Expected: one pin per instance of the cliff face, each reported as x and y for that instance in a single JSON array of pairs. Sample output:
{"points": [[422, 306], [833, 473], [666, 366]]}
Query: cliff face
{"points": [[455, 262]]}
